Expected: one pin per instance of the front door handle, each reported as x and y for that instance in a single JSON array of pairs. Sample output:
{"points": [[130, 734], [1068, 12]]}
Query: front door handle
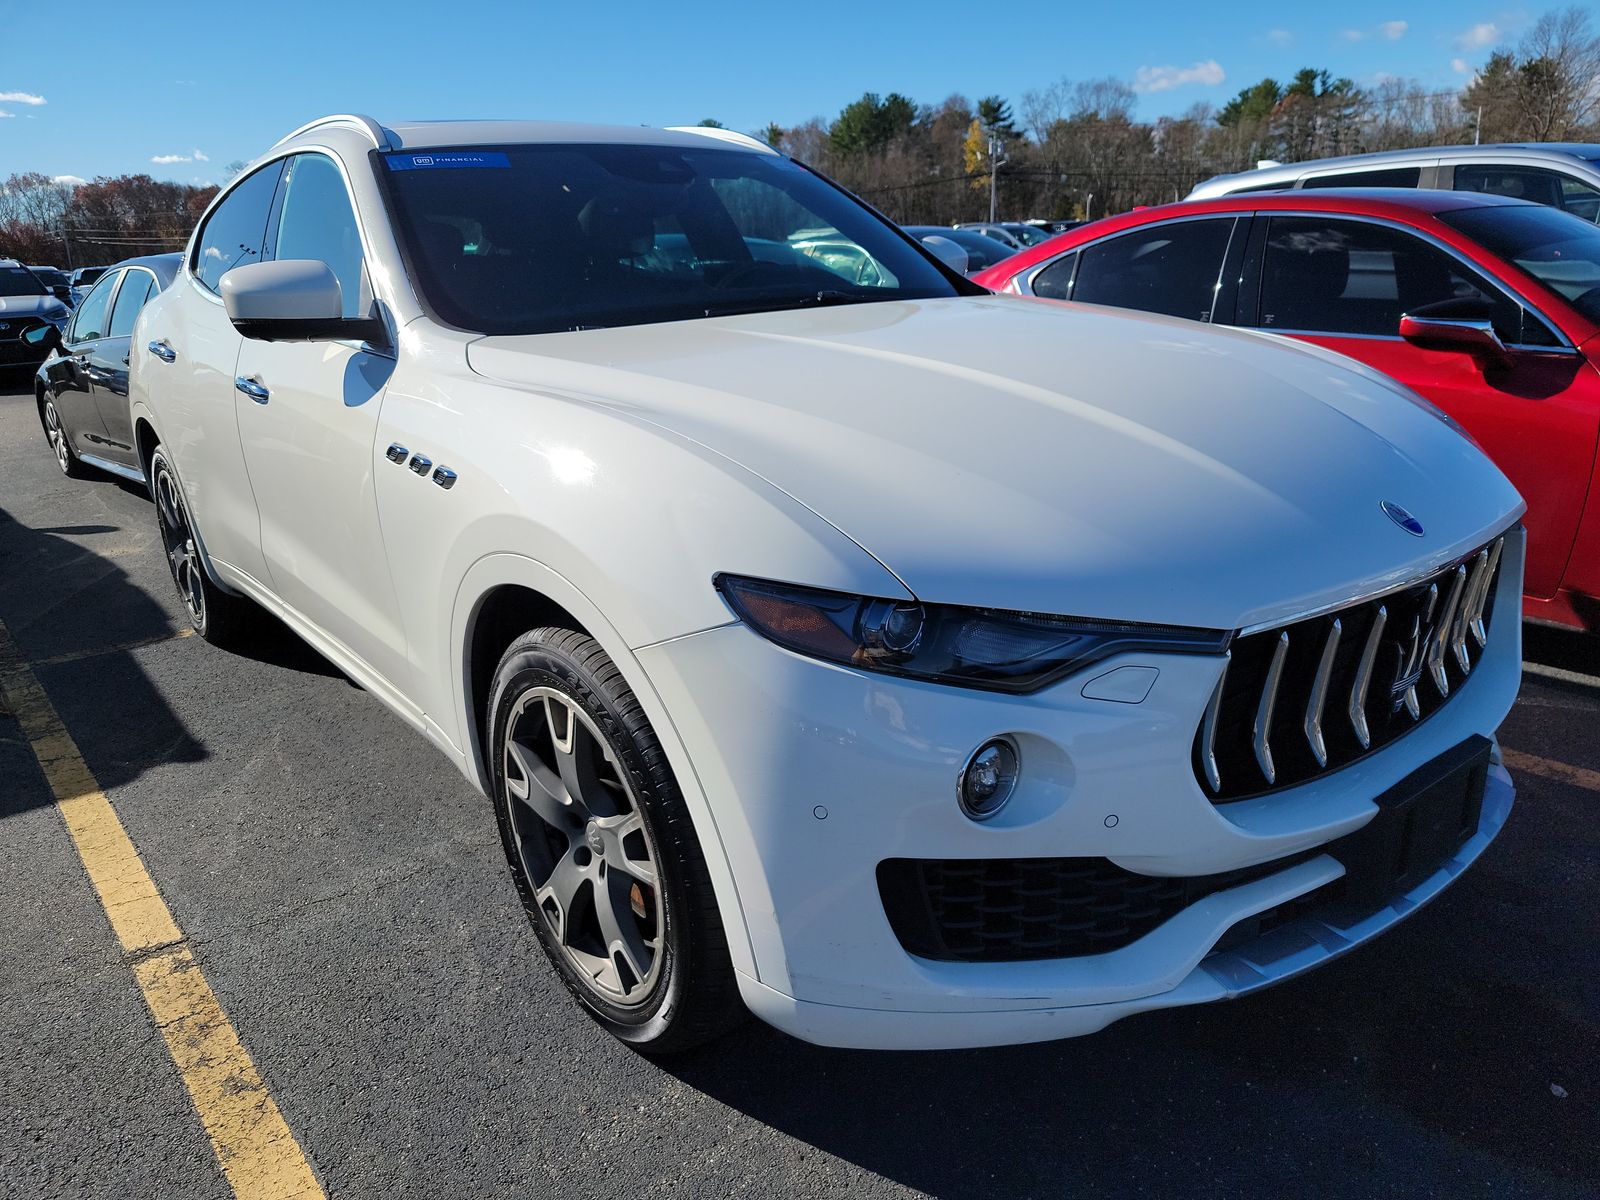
{"points": [[163, 351], [252, 388]]}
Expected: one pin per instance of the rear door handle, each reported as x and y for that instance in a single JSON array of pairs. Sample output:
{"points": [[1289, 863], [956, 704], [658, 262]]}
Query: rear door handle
{"points": [[163, 351], [252, 388]]}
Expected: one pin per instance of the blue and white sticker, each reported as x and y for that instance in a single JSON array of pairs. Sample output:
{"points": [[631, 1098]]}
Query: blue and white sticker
{"points": [[447, 159]]}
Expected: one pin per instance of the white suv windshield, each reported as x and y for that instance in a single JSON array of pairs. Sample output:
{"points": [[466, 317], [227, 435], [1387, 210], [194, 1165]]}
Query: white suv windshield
{"points": [[535, 239]]}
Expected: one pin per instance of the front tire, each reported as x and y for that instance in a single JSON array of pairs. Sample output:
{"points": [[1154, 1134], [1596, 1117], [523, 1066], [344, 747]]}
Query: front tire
{"points": [[602, 848], [218, 617]]}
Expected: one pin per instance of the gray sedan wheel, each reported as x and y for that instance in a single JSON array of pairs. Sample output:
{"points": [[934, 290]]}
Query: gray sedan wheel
{"points": [[61, 442]]}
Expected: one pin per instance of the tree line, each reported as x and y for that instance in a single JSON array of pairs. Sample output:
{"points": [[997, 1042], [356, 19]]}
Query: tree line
{"points": [[69, 224], [1076, 150], [1069, 150]]}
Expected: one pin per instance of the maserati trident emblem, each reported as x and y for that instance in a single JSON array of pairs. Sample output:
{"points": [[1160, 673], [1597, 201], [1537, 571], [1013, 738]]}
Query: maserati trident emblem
{"points": [[1401, 517], [1411, 651]]}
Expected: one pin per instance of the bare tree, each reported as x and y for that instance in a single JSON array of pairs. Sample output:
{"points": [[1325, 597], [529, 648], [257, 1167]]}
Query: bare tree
{"points": [[1560, 75]]}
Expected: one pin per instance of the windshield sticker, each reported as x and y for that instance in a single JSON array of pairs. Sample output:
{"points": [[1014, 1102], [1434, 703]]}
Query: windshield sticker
{"points": [[429, 162]]}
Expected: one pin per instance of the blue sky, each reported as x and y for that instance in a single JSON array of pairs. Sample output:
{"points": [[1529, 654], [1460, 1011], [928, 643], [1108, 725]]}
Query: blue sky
{"points": [[207, 83]]}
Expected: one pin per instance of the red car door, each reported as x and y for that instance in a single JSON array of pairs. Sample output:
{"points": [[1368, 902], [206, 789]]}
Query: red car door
{"points": [[1343, 282]]}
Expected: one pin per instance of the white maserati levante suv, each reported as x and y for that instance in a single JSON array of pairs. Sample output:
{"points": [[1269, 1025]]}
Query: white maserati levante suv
{"points": [[918, 667]]}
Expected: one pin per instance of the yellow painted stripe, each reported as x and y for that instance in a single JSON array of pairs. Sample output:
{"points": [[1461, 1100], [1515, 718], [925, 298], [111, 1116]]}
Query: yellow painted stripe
{"points": [[1549, 768], [257, 1152]]}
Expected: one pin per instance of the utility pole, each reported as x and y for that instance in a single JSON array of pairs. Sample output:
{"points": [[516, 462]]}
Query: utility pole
{"points": [[997, 146], [1477, 128]]}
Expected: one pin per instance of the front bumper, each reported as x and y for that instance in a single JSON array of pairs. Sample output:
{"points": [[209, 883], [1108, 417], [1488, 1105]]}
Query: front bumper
{"points": [[815, 774]]}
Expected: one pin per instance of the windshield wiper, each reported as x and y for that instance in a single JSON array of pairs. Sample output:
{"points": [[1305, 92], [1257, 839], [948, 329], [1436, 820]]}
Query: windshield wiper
{"points": [[822, 299]]}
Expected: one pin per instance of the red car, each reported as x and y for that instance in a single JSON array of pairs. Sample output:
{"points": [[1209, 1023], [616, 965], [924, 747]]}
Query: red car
{"points": [[1487, 306]]}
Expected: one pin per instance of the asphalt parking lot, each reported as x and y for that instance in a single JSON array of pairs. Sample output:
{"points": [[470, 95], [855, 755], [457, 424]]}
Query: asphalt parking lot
{"points": [[344, 892]]}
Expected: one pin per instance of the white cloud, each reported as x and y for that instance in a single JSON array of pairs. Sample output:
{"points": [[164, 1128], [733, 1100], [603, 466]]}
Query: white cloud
{"points": [[1280, 37], [4, 114], [1460, 66], [1389, 31], [1164, 79], [21, 98], [196, 155], [74, 180], [1487, 33], [200, 156]]}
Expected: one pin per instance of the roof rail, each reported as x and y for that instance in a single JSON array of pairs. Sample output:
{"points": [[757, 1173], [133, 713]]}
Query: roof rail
{"points": [[381, 137], [725, 135]]}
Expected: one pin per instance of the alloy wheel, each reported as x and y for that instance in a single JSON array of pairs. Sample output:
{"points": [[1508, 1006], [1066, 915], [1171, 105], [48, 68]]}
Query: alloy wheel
{"points": [[584, 846], [183, 558], [57, 436]]}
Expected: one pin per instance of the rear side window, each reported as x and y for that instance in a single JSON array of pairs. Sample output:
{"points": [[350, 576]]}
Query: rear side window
{"points": [[1172, 268], [134, 294], [1324, 275], [1520, 183], [1395, 177], [318, 222], [234, 232], [1055, 281], [89, 322]]}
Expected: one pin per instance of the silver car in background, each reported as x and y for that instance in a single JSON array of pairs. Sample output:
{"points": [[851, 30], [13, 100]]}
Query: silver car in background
{"points": [[1562, 175]]}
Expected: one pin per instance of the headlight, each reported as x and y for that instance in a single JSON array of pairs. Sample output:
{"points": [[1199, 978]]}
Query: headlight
{"points": [[58, 316], [968, 647]]}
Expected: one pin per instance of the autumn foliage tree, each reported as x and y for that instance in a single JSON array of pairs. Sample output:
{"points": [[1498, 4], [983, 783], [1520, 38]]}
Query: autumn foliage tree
{"points": [[67, 224]]}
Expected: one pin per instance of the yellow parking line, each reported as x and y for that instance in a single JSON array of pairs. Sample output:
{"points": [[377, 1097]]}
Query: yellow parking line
{"points": [[257, 1152], [1549, 768], [75, 655]]}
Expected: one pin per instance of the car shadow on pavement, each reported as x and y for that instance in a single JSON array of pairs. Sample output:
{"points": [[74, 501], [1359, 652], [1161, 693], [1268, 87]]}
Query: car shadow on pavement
{"points": [[68, 611]]}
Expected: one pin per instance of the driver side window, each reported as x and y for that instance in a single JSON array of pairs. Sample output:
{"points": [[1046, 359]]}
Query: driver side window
{"points": [[1331, 276], [89, 322], [317, 221]]}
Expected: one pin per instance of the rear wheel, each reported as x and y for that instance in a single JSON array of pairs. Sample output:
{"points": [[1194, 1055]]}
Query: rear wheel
{"points": [[61, 443], [602, 848], [215, 615]]}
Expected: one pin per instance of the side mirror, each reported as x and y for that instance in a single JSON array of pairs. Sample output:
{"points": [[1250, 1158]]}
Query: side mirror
{"points": [[63, 293], [950, 253], [1462, 325], [293, 300], [46, 336]]}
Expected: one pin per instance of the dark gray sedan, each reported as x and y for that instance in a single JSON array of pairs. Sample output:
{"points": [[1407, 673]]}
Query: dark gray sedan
{"points": [[82, 387]]}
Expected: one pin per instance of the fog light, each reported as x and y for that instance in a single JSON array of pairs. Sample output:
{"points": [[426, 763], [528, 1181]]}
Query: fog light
{"points": [[988, 779]]}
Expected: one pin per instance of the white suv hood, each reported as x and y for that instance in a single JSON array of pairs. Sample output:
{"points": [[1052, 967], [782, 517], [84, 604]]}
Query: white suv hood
{"points": [[1016, 454]]}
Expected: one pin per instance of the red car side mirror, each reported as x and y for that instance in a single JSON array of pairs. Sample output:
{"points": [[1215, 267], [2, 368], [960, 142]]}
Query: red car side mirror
{"points": [[1469, 334]]}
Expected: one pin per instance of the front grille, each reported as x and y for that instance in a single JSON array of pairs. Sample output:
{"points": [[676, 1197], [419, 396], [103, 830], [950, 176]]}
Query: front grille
{"points": [[1011, 910], [1299, 700]]}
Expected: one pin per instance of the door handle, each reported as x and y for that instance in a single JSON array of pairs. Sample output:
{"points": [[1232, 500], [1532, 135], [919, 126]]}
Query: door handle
{"points": [[163, 351], [252, 388]]}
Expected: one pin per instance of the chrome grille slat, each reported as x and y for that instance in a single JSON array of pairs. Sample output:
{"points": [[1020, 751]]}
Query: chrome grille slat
{"points": [[1208, 730], [1319, 695], [1315, 694], [1440, 640], [1269, 700], [1479, 632], [1363, 680], [1419, 650], [1463, 621]]}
